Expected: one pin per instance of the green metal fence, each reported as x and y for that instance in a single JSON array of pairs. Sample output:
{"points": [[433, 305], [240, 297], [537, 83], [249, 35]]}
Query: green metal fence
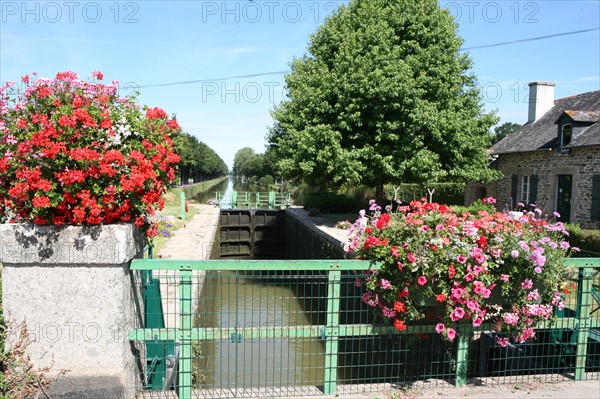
{"points": [[248, 199], [288, 328]]}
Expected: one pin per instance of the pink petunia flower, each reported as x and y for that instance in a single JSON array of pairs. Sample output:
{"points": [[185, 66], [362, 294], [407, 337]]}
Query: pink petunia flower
{"points": [[385, 284], [439, 328], [527, 284], [461, 259], [457, 314], [451, 333]]}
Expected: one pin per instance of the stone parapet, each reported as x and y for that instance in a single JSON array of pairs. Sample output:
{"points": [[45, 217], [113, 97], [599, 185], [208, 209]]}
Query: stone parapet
{"points": [[70, 289]]}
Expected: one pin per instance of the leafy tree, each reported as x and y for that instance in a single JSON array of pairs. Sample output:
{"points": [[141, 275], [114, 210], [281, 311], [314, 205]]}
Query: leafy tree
{"points": [[270, 163], [198, 160], [384, 95], [240, 161], [503, 130], [249, 164]]}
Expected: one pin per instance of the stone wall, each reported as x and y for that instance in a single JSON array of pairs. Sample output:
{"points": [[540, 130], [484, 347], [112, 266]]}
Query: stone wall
{"points": [[582, 163], [310, 237], [71, 291]]}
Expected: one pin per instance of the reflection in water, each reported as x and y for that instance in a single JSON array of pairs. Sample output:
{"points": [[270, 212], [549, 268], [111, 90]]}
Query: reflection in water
{"points": [[225, 188], [204, 196], [225, 202], [259, 301]]}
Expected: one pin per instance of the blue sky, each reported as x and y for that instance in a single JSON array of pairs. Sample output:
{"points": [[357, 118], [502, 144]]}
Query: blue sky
{"points": [[148, 43]]}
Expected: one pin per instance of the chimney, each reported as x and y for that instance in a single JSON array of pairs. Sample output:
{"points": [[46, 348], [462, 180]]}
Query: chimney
{"points": [[541, 99]]}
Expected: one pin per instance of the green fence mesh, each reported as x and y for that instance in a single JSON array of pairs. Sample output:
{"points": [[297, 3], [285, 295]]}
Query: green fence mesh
{"points": [[299, 328]]}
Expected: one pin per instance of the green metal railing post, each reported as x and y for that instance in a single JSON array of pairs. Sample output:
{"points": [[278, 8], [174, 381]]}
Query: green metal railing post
{"points": [[271, 199], [332, 329], [462, 354], [584, 288], [185, 329], [234, 199], [182, 200]]}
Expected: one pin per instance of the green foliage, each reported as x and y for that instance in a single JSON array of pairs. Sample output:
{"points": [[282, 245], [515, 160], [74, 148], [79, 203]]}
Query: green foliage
{"points": [[266, 181], [443, 193], [329, 202], [587, 240], [257, 167], [192, 191], [240, 161], [198, 160], [361, 193], [473, 208], [503, 130], [384, 95]]}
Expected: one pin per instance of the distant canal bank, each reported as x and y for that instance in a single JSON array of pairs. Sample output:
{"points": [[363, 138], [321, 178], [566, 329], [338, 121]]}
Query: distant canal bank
{"points": [[226, 186], [200, 190]]}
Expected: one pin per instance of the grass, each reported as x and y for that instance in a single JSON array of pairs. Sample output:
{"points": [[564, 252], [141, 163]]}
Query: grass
{"points": [[172, 214]]}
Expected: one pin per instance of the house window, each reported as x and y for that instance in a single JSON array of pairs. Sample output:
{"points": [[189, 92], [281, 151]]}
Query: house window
{"points": [[529, 190], [482, 192], [566, 132], [595, 211], [525, 190]]}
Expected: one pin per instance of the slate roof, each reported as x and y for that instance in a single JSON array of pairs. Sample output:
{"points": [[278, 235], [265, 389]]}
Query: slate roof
{"points": [[543, 133], [590, 136], [582, 116]]}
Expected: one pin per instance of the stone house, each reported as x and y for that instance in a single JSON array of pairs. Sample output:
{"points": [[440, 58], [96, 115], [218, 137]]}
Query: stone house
{"points": [[553, 160]]}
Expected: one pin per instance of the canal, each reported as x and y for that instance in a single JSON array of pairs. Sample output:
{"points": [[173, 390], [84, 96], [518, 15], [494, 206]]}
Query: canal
{"points": [[255, 300], [239, 300], [225, 188]]}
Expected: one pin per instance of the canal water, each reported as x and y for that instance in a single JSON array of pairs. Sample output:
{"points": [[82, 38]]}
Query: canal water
{"points": [[239, 300], [265, 301], [225, 188]]}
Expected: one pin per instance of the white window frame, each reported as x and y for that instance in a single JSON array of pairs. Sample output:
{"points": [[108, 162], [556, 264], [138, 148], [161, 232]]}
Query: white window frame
{"points": [[525, 185], [562, 134]]}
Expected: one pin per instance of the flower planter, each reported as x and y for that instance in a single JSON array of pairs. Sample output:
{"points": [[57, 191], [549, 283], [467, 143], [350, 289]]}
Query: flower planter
{"points": [[77, 160], [453, 267]]}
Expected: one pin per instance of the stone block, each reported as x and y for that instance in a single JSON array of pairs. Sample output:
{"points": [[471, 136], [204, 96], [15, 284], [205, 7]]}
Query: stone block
{"points": [[72, 290]]}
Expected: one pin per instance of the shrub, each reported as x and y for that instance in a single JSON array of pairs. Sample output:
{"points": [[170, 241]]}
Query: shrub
{"points": [[586, 239], [329, 202], [266, 181]]}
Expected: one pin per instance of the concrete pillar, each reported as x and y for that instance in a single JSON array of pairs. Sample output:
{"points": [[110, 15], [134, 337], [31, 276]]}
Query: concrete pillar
{"points": [[72, 290]]}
